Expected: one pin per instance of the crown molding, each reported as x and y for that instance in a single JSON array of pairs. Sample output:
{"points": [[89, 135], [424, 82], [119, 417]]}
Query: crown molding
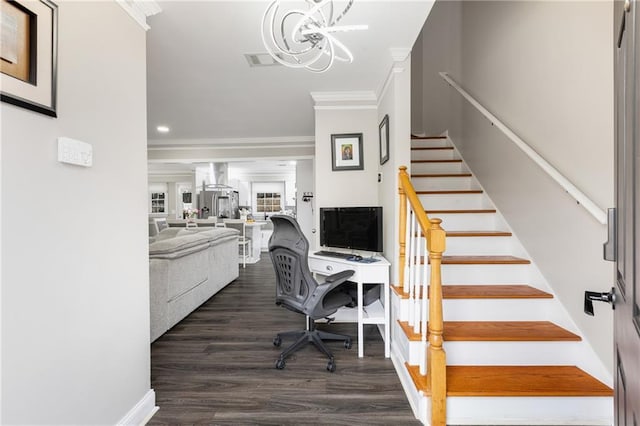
{"points": [[231, 143], [346, 100], [399, 54], [140, 9]]}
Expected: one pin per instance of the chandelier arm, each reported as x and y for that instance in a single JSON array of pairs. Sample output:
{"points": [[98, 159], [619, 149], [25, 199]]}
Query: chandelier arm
{"points": [[311, 37], [308, 15], [332, 40], [274, 6]]}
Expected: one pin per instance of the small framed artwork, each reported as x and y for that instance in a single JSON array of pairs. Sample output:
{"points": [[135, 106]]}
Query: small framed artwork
{"points": [[28, 54], [384, 139], [346, 152]]}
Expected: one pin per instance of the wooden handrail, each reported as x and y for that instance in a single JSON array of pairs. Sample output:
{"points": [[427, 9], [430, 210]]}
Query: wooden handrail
{"points": [[435, 236]]}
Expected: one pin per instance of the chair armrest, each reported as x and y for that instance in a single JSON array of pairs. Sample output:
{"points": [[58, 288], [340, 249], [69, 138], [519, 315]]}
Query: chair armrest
{"points": [[344, 275]]}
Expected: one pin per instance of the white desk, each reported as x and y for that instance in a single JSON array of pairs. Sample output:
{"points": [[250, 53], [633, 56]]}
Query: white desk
{"points": [[365, 273]]}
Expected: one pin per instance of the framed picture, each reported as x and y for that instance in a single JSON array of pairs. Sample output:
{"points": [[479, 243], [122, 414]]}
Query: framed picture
{"points": [[346, 152], [383, 130], [28, 54]]}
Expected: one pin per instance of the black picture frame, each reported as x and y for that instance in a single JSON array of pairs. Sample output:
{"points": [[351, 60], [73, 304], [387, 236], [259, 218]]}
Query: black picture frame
{"points": [[383, 134], [347, 152], [39, 92]]}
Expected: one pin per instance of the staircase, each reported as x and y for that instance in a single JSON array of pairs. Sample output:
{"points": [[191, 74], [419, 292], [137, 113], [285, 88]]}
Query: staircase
{"points": [[513, 354]]}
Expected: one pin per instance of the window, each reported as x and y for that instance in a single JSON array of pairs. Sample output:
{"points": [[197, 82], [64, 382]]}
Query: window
{"points": [[267, 202], [158, 202]]}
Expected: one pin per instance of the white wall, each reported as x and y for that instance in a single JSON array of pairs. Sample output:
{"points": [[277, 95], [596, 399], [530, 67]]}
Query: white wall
{"points": [[395, 101], [75, 302], [305, 211], [545, 69], [345, 187]]}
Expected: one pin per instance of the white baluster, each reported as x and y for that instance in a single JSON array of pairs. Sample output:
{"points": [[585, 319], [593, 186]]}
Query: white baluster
{"points": [[424, 311], [411, 263]]}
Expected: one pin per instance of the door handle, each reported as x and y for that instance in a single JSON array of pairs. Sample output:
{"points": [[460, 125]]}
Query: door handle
{"points": [[591, 296]]}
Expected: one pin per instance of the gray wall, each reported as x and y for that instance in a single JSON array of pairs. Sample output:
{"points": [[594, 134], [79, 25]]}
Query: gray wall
{"points": [[544, 69], [75, 310], [345, 187]]}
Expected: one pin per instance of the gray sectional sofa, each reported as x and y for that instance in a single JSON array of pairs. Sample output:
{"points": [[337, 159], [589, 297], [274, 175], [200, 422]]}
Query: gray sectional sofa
{"points": [[187, 267]]}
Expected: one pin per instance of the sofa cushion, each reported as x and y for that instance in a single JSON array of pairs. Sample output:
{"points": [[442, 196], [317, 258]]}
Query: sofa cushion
{"points": [[178, 246], [187, 241], [167, 233]]}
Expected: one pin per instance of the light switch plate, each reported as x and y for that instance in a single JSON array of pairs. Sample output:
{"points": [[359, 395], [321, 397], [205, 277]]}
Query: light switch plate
{"points": [[75, 152]]}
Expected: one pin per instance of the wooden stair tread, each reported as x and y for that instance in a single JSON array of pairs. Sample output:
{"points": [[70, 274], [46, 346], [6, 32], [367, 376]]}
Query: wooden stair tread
{"points": [[480, 260], [429, 148], [440, 175], [478, 234], [451, 191], [516, 380], [476, 291], [502, 291], [466, 260], [427, 137], [474, 234], [437, 161], [499, 331], [476, 211]]}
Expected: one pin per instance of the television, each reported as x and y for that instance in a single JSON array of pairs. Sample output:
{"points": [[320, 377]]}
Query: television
{"points": [[355, 228]]}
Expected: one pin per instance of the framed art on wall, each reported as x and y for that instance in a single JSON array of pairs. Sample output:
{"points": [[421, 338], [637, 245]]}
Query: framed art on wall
{"points": [[28, 54], [384, 139], [346, 152]]}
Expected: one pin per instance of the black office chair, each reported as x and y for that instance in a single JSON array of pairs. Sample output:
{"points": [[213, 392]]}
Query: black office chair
{"points": [[298, 291]]}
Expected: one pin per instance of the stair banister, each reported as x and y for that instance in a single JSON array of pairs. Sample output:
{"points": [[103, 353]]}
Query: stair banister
{"points": [[570, 188], [411, 208], [436, 357]]}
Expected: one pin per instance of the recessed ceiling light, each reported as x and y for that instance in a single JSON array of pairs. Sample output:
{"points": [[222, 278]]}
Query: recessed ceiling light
{"points": [[163, 129]]}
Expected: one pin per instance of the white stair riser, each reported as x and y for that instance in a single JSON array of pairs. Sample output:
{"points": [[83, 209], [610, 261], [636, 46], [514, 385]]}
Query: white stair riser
{"points": [[481, 274], [500, 353], [468, 221], [453, 201], [443, 183], [480, 246], [437, 168], [416, 398], [434, 154], [512, 353], [488, 309], [429, 143], [485, 274], [529, 410]]}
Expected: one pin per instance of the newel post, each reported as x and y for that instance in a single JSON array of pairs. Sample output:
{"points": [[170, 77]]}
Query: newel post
{"points": [[403, 226], [436, 357]]}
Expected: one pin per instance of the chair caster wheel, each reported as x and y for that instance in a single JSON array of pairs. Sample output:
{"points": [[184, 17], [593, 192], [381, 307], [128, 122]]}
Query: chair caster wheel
{"points": [[347, 344], [277, 341], [280, 364], [331, 366]]}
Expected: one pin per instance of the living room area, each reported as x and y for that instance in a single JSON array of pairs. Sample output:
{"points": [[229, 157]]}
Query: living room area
{"points": [[75, 329]]}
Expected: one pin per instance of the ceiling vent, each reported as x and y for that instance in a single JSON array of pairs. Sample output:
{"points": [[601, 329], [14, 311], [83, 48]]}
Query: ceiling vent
{"points": [[260, 59]]}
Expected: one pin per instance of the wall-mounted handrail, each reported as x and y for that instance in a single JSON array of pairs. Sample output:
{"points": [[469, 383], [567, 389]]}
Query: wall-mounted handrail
{"points": [[579, 196]]}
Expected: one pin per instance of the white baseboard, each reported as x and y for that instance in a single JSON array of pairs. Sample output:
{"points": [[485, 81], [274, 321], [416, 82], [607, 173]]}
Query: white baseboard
{"points": [[142, 412]]}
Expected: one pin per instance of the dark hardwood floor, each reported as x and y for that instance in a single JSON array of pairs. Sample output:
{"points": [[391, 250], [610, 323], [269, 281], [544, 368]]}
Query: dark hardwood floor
{"points": [[217, 366]]}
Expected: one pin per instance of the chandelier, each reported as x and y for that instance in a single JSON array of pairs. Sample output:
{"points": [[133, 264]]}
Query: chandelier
{"points": [[305, 39]]}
